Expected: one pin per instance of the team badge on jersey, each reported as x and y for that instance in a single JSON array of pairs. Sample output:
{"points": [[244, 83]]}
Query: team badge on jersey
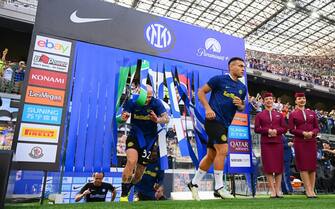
{"points": [[130, 144], [240, 91]]}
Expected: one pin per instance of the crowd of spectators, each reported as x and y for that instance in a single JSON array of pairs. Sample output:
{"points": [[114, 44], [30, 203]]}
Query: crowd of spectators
{"points": [[315, 70], [11, 74], [326, 119]]}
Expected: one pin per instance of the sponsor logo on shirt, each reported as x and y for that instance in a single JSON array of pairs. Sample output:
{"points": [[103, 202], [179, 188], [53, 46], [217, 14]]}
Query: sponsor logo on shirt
{"points": [[230, 95], [141, 117]]}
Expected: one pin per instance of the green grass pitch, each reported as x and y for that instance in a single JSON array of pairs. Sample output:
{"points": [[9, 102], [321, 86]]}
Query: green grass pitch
{"points": [[289, 202]]}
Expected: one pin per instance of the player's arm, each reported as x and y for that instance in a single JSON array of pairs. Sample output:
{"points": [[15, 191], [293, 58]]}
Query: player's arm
{"points": [[82, 193], [113, 191], [4, 54], [162, 118], [126, 111], [210, 114]]}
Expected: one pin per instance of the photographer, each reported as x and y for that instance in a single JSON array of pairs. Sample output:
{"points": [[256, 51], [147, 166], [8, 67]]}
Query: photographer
{"points": [[96, 191]]}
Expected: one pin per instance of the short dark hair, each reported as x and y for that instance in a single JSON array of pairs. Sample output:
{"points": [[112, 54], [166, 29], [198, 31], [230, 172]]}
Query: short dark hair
{"points": [[235, 58], [103, 174]]}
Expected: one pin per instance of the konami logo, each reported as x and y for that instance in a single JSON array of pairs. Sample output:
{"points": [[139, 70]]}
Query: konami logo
{"points": [[52, 45], [50, 62], [47, 78]]}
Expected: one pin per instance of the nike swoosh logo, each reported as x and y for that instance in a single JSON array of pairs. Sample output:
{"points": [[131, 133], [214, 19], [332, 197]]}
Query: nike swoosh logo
{"points": [[74, 18]]}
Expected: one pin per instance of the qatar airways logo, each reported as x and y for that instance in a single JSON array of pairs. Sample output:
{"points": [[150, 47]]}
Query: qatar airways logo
{"points": [[236, 145], [158, 36], [212, 50]]}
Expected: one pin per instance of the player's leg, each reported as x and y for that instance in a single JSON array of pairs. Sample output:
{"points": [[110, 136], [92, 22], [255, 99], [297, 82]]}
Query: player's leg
{"points": [[205, 164], [139, 171], [127, 175]]}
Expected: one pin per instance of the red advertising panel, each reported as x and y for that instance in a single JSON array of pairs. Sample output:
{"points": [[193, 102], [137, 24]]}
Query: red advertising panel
{"points": [[47, 78]]}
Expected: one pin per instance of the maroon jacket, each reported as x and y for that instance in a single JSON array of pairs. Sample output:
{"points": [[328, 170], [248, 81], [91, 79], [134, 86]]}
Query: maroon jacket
{"points": [[263, 123], [297, 124]]}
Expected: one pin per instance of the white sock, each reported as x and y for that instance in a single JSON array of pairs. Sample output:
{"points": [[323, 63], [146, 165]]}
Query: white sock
{"points": [[218, 179], [199, 174]]}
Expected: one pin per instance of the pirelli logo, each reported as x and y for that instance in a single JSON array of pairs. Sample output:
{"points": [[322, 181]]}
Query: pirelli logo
{"points": [[39, 133], [42, 133]]}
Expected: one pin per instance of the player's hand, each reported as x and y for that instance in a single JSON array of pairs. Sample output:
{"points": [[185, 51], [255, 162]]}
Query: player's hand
{"points": [[125, 116], [153, 116], [238, 102], [86, 192], [210, 114], [5, 51], [290, 144], [156, 186]]}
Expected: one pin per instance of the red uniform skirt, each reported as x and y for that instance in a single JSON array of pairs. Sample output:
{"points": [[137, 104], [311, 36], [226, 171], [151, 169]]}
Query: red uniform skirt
{"points": [[305, 155], [272, 157]]}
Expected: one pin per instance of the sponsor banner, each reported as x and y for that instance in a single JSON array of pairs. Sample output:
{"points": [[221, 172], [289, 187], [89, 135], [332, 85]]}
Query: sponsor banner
{"points": [[55, 46], [47, 78], [240, 119], [238, 132], [38, 133], [50, 62], [45, 96], [35, 153], [239, 160], [42, 114], [236, 145], [157, 36]]}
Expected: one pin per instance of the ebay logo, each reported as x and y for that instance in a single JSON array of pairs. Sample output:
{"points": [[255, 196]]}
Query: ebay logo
{"points": [[52, 45]]}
